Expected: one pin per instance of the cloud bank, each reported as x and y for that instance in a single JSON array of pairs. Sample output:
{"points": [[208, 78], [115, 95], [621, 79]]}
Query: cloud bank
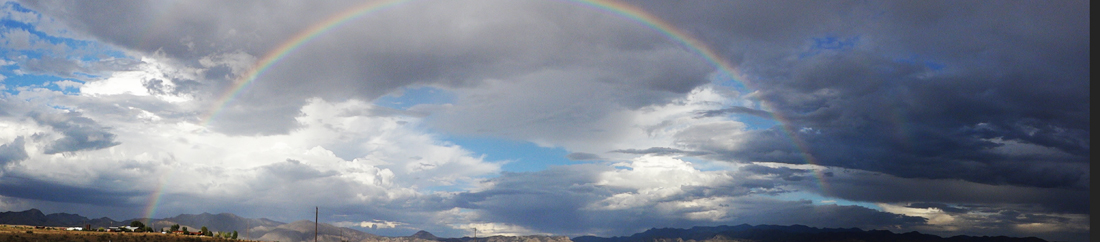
{"points": [[943, 117]]}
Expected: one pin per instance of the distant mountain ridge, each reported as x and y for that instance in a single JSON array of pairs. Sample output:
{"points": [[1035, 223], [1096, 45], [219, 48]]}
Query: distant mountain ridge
{"points": [[37, 218], [303, 231], [777, 233], [255, 229], [224, 222], [270, 230]]}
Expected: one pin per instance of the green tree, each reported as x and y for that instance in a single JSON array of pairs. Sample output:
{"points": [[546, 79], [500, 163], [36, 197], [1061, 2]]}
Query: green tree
{"points": [[185, 230], [234, 234], [175, 227], [138, 224], [204, 231]]}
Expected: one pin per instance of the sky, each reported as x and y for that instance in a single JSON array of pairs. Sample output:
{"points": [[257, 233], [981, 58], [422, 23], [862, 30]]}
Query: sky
{"points": [[553, 116]]}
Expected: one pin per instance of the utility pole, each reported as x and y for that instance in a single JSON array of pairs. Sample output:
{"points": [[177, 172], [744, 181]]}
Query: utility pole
{"points": [[475, 234], [316, 212]]}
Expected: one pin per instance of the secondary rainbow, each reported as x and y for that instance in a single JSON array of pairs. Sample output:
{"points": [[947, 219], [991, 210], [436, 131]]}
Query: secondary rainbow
{"points": [[613, 7]]}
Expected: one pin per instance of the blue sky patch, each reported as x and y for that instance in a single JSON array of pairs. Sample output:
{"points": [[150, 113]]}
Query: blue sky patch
{"points": [[523, 156], [829, 43], [412, 96], [819, 200], [31, 80]]}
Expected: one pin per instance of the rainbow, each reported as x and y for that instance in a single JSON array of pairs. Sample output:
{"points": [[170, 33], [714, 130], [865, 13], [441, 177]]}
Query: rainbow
{"points": [[616, 8], [154, 200], [289, 46], [641, 16]]}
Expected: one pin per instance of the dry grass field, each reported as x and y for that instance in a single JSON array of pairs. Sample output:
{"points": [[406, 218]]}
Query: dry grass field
{"points": [[21, 233]]}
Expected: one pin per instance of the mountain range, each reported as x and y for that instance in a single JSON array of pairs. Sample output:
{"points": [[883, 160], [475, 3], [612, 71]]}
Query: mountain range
{"points": [[269, 230], [777, 233]]}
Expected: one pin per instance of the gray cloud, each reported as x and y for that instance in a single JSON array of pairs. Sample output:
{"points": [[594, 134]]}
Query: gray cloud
{"points": [[736, 110], [940, 206], [78, 133], [17, 39], [829, 215], [939, 90], [238, 119], [559, 106], [783, 172], [864, 186], [31, 188], [462, 45], [13, 152], [556, 201], [659, 151], [53, 66], [957, 106], [582, 156], [528, 194]]}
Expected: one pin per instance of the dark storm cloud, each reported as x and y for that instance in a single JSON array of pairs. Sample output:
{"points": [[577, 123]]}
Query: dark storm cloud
{"points": [[954, 90], [549, 200], [949, 131], [558, 201], [735, 110], [13, 152], [78, 132], [31, 188], [831, 215], [1015, 216], [782, 172], [873, 187]]}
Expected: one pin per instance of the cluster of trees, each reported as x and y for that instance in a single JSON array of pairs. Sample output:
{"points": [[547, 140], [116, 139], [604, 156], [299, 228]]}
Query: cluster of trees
{"points": [[205, 231], [140, 227], [226, 235]]}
